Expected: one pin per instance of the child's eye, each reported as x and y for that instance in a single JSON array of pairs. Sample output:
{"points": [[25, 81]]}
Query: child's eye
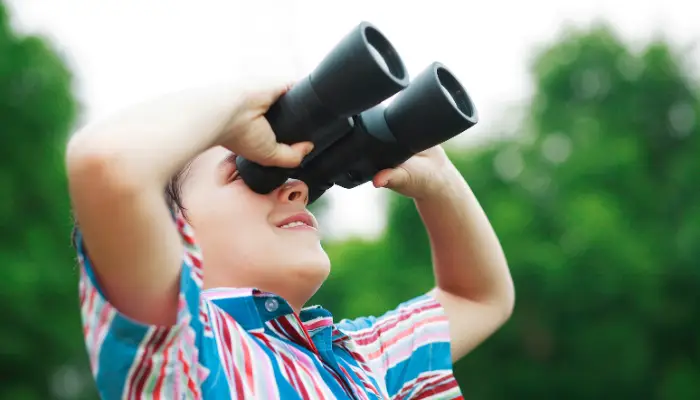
{"points": [[231, 165], [234, 176]]}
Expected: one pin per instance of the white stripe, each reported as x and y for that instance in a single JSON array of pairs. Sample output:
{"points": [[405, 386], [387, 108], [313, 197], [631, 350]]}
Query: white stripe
{"points": [[225, 293], [130, 377], [214, 321]]}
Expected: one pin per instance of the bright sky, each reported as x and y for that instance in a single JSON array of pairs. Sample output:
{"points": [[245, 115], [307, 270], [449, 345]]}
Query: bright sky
{"points": [[123, 51]]}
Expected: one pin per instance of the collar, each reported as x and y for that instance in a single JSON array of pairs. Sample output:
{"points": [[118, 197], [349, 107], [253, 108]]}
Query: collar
{"points": [[256, 310]]}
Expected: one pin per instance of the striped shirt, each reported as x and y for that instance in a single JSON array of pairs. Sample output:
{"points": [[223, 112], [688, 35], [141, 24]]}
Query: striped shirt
{"points": [[242, 343]]}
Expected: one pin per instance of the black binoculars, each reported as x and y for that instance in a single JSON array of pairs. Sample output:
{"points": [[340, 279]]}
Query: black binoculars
{"points": [[338, 108]]}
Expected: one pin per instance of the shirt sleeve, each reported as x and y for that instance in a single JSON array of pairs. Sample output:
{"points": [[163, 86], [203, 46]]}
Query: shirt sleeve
{"points": [[409, 346], [130, 360]]}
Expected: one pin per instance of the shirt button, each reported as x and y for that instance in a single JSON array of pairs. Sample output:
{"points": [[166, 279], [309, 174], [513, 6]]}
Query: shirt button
{"points": [[271, 305]]}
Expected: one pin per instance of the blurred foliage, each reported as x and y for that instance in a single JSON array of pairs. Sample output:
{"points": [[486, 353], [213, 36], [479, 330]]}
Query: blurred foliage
{"points": [[596, 200], [41, 355]]}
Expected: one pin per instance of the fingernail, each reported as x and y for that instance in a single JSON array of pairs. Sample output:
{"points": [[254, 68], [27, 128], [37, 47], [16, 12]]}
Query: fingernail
{"points": [[309, 148]]}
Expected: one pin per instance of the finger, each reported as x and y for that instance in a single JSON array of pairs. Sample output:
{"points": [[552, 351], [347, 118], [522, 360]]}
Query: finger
{"points": [[265, 97], [391, 178], [287, 156]]}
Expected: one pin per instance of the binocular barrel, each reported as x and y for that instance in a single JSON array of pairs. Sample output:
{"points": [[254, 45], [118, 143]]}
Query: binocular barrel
{"points": [[434, 108], [337, 107], [361, 71]]}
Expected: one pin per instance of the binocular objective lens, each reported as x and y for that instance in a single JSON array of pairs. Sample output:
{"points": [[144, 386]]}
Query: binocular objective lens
{"points": [[454, 92], [384, 53], [449, 96], [378, 57]]}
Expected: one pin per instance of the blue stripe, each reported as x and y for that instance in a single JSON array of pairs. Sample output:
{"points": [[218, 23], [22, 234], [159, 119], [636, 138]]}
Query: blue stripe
{"points": [[346, 360], [192, 293], [354, 325], [216, 384], [430, 357], [117, 355], [87, 265], [286, 389]]}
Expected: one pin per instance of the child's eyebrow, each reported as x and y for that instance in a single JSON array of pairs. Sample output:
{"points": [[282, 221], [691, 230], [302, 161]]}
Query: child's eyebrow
{"points": [[228, 160]]}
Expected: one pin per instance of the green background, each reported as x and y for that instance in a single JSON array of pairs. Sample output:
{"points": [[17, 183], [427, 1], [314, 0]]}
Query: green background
{"points": [[596, 199]]}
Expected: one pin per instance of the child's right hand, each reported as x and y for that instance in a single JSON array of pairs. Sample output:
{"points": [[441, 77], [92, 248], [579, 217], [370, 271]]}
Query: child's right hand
{"points": [[250, 135]]}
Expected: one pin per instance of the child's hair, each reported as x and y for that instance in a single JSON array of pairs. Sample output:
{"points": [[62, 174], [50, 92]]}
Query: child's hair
{"points": [[173, 199]]}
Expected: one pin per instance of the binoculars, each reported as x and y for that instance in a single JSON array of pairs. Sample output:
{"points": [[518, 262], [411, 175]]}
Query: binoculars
{"points": [[338, 107]]}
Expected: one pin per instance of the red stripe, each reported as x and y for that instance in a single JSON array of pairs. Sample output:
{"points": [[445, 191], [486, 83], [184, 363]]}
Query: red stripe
{"points": [[310, 374], [390, 323], [91, 301], [224, 338], [195, 265], [289, 364], [285, 333], [289, 367], [162, 373], [289, 329], [237, 379], [323, 322], [88, 303], [163, 368], [182, 228], [102, 323], [425, 379], [362, 376], [433, 390], [196, 261], [387, 343], [187, 369], [148, 365], [360, 360], [204, 318], [350, 382], [248, 366], [306, 334], [407, 388], [189, 239], [137, 379]]}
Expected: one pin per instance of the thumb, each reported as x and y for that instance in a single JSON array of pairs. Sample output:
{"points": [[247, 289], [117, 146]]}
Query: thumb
{"points": [[391, 178], [287, 156]]}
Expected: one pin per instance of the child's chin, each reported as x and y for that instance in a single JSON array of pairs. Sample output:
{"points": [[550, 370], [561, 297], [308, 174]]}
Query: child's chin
{"points": [[311, 267]]}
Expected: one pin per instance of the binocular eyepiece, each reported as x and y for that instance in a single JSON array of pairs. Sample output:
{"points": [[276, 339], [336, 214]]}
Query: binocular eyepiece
{"points": [[338, 108]]}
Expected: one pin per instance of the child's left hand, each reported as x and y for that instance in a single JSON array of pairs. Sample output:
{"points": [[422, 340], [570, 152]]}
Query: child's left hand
{"points": [[420, 176]]}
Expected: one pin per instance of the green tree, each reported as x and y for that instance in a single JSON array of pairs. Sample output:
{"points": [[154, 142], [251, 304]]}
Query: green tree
{"points": [[42, 356], [596, 201]]}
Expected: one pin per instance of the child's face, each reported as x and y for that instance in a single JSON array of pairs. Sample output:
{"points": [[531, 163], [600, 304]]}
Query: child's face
{"points": [[241, 235]]}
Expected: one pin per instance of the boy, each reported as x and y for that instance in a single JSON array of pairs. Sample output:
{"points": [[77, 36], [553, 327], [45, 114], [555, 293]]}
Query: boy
{"points": [[201, 294]]}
